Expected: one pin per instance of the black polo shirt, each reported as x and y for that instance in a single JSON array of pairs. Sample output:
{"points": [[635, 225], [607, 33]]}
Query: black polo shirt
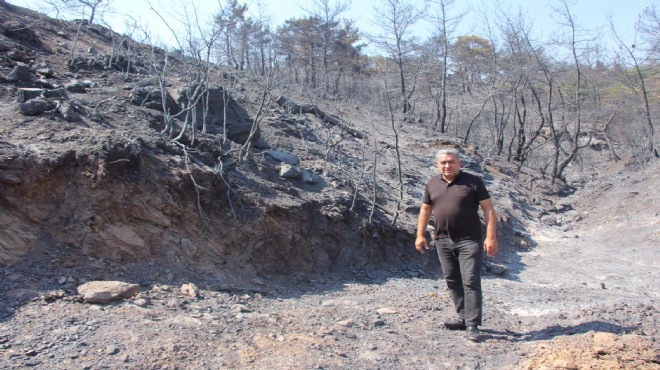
{"points": [[456, 206]]}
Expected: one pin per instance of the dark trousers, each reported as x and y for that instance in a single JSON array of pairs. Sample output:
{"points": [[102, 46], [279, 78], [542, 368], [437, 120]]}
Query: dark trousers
{"points": [[461, 266]]}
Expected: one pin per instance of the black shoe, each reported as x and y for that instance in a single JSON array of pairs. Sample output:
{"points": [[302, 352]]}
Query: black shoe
{"points": [[455, 324], [473, 333]]}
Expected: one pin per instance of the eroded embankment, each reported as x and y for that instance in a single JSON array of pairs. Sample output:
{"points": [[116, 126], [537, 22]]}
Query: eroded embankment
{"points": [[128, 201]]}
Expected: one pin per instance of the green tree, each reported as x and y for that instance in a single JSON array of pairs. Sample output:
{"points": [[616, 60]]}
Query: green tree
{"points": [[472, 57]]}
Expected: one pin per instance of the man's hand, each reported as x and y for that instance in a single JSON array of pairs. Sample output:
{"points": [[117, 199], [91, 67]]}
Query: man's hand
{"points": [[424, 216], [491, 246], [421, 244]]}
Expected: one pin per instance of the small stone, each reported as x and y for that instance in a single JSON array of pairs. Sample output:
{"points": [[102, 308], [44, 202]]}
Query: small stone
{"points": [[141, 302], [191, 290], [600, 351], [386, 311], [10, 178], [75, 87], [239, 308], [348, 322], [53, 295]]}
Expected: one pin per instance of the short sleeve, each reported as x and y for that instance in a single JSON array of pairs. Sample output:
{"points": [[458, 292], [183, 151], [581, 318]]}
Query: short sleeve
{"points": [[482, 192], [427, 195]]}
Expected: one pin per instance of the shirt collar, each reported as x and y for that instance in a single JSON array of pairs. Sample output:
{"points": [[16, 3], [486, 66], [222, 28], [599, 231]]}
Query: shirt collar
{"points": [[455, 178]]}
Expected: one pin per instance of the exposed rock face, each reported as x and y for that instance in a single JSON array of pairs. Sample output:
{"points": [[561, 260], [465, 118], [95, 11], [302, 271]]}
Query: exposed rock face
{"points": [[17, 237], [20, 31], [152, 98], [221, 105], [127, 205]]}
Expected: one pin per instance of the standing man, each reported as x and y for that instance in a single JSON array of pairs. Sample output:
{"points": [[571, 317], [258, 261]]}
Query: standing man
{"points": [[453, 197]]}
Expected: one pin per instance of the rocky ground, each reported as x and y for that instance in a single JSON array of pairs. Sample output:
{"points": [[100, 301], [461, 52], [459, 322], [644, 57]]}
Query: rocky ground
{"points": [[580, 299], [557, 313], [239, 265]]}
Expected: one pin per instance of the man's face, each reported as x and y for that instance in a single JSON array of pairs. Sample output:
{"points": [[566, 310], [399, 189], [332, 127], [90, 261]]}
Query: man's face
{"points": [[449, 165]]}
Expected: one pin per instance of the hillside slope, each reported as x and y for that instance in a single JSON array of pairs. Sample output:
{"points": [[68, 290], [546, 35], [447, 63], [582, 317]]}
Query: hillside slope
{"points": [[296, 263]]}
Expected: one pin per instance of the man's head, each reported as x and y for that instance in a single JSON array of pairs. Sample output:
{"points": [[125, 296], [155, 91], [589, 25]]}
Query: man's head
{"points": [[448, 163]]}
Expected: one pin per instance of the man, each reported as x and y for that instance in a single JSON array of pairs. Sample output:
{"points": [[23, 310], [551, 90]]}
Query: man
{"points": [[453, 197]]}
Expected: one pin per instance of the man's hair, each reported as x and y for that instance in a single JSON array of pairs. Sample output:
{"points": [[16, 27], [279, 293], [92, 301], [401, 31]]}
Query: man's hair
{"points": [[449, 151]]}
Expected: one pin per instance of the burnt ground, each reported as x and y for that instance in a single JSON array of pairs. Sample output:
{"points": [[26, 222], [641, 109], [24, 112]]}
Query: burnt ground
{"points": [[291, 274], [572, 290]]}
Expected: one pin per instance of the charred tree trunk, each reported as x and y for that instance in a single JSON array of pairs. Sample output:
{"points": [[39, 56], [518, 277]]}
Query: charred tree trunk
{"points": [[293, 107]]}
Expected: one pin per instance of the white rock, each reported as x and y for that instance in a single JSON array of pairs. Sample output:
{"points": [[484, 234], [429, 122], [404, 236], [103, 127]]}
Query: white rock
{"points": [[191, 290], [386, 311]]}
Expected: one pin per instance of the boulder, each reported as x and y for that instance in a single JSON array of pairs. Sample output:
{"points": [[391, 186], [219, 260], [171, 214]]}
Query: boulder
{"points": [[59, 93], [24, 95], [107, 291], [21, 72], [69, 113], [308, 177], [151, 98], [36, 107], [46, 72], [283, 157], [239, 123], [290, 172], [75, 87]]}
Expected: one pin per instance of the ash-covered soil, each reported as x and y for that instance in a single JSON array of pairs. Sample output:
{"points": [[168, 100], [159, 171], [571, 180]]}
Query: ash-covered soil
{"points": [[550, 316], [241, 267], [579, 299]]}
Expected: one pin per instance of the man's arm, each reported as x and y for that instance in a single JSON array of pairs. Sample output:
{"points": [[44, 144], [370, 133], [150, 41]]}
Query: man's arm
{"points": [[424, 217], [490, 244]]}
